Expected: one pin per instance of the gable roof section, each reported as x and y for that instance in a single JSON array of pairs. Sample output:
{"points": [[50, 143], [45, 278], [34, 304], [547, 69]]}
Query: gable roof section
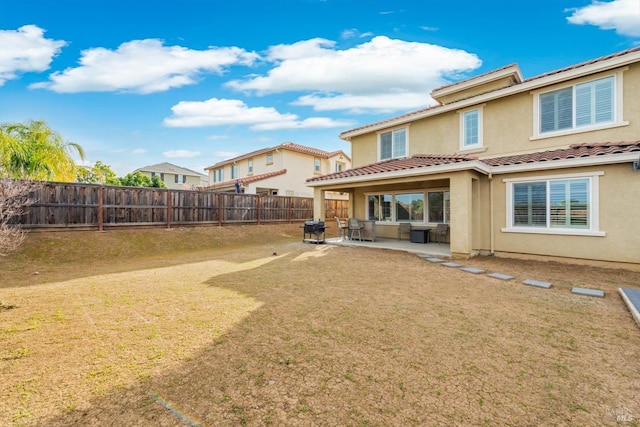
{"points": [[246, 180], [422, 164], [602, 63], [284, 146], [169, 168]]}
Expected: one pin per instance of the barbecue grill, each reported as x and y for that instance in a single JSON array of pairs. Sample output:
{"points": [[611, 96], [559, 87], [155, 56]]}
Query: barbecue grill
{"points": [[313, 231]]}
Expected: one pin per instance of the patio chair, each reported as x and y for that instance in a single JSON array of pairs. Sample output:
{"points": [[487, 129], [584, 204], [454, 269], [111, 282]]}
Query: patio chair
{"points": [[355, 228], [343, 227], [404, 228], [441, 232]]}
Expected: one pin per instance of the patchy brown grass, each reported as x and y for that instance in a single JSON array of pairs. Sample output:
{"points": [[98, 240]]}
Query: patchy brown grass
{"points": [[249, 326]]}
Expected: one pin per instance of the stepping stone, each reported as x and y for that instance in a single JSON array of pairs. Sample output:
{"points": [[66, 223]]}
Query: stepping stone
{"points": [[500, 276], [472, 270], [451, 264], [537, 283], [432, 259], [588, 292], [631, 298]]}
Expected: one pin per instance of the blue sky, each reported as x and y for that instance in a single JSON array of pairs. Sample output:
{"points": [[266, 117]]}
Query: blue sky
{"points": [[193, 82]]}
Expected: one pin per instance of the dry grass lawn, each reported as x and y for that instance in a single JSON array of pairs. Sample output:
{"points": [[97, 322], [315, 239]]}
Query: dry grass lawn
{"points": [[249, 326]]}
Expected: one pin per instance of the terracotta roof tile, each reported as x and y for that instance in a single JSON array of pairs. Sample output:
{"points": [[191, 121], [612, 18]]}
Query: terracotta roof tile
{"points": [[574, 151], [428, 160], [246, 179], [391, 165]]}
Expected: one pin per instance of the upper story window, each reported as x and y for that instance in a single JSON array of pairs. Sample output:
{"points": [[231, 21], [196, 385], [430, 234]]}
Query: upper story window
{"points": [[580, 107], [176, 177], [393, 144], [471, 129], [270, 158], [316, 165], [339, 167], [234, 171], [218, 175], [250, 163]]}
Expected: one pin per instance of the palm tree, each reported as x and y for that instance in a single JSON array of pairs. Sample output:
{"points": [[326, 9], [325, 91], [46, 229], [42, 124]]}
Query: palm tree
{"points": [[33, 151]]}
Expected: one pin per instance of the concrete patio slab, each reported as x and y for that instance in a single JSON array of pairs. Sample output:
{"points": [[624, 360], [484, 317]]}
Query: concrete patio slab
{"points": [[430, 249], [537, 283], [588, 292], [451, 264]]}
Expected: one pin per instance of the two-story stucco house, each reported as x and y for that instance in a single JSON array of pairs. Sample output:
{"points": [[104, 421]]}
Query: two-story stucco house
{"points": [[277, 171], [174, 177], [545, 166]]}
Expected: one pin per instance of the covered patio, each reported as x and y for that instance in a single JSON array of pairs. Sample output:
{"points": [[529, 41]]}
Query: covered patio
{"points": [[439, 250]]}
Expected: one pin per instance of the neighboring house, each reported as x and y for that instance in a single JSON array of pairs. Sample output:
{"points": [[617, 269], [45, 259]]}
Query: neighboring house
{"points": [[174, 177], [541, 166], [280, 171]]}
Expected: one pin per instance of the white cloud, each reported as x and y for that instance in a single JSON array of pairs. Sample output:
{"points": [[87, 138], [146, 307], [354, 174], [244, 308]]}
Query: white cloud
{"points": [[380, 70], [26, 50], [354, 33], [226, 112], [180, 154], [143, 66], [139, 151], [225, 154], [623, 16]]}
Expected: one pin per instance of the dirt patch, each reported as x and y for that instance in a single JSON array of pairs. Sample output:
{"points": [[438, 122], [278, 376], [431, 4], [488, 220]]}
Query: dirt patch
{"points": [[218, 332]]}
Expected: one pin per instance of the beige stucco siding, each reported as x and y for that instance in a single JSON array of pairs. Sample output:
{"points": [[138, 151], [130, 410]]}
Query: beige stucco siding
{"points": [[619, 216], [508, 126]]}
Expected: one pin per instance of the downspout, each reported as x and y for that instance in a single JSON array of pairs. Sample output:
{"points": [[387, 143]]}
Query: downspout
{"points": [[492, 249]]}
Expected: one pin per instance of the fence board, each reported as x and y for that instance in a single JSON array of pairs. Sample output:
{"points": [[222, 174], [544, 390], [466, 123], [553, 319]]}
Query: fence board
{"points": [[73, 205]]}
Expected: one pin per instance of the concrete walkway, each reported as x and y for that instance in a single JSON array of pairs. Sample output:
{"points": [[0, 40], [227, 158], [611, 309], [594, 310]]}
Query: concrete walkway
{"points": [[441, 250]]}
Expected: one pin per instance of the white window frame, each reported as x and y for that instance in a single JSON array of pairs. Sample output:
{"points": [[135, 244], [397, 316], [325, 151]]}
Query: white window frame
{"points": [[594, 206], [463, 128], [394, 220], [393, 145], [317, 165], [445, 219], [234, 171], [339, 166], [618, 113], [250, 166], [269, 160], [218, 175]]}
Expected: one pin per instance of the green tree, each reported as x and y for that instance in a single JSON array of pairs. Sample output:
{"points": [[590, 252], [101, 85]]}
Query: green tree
{"points": [[99, 173], [137, 179], [34, 151]]}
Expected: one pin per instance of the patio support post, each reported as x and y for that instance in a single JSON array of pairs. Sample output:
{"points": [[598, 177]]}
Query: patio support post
{"points": [[461, 220], [318, 204]]}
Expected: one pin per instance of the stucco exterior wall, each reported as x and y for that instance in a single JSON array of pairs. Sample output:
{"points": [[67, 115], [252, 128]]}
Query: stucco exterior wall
{"points": [[619, 214]]}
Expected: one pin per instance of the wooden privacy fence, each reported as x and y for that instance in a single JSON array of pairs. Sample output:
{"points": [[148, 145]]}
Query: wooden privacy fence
{"points": [[72, 205]]}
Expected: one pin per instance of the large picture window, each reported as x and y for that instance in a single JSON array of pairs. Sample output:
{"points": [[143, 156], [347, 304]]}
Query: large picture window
{"points": [[568, 205], [409, 206], [393, 144], [584, 104], [379, 207]]}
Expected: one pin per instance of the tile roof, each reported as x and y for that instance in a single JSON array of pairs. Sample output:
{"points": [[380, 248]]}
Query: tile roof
{"points": [[392, 165], [246, 179], [284, 146], [429, 160], [169, 168], [574, 151]]}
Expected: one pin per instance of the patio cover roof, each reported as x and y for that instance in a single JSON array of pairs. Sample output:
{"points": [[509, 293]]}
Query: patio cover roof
{"points": [[428, 164]]}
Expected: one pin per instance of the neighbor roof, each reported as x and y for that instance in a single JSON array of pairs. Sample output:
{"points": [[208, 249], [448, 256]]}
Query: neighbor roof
{"points": [[168, 168], [284, 146], [247, 179]]}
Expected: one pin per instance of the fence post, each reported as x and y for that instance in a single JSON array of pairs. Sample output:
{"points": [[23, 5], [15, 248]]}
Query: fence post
{"points": [[259, 200], [168, 208], [219, 198], [100, 208], [290, 208]]}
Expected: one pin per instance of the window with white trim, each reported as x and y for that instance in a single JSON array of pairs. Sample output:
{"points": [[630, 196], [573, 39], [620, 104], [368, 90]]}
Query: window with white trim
{"points": [[339, 166], [269, 158], [567, 205], [218, 175], [585, 104], [409, 206], [316, 165], [393, 144], [250, 164], [471, 129], [234, 171]]}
